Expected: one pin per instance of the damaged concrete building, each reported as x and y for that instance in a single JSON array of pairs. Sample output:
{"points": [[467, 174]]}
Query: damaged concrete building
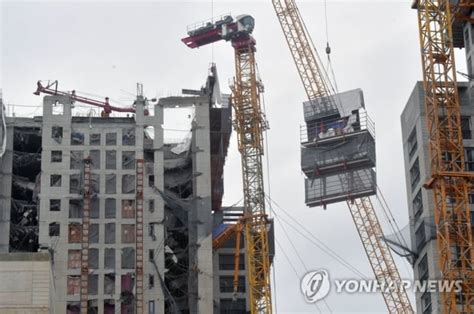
{"points": [[127, 218]]}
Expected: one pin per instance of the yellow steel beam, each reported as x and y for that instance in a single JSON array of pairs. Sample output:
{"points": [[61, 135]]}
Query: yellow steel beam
{"points": [[449, 181], [380, 257]]}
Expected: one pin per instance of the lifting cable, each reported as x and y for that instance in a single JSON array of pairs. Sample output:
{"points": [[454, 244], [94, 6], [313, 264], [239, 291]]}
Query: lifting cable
{"points": [[298, 256], [288, 259], [328, 48], [308, 235]]}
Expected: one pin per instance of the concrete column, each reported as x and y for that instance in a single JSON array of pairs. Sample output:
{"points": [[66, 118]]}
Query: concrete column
{"points": [[6, 163], [200, 219]]}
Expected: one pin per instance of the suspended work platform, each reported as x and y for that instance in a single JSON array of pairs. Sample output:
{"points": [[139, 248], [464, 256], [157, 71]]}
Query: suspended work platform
{"points": [[338, 149]]}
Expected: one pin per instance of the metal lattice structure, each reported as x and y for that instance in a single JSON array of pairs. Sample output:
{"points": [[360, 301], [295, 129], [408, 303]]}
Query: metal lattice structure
{"points": [[86, 210], [304, 54], [250, 124], [379, 255], [319, 90], [139, 237], [449, 181]]}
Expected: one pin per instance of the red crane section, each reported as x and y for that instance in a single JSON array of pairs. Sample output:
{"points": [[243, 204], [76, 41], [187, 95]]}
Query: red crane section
{"points": [[52, 89], [238, 31]]}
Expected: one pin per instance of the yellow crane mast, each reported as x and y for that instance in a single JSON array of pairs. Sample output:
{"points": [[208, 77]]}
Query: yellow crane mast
{"points": [[317, 87], [250, 125], [450, 182]]}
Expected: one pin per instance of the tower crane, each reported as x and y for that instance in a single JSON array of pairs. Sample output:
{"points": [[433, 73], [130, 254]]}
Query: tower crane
{"points": [[249, 124], [318, 89], [449, 181]]}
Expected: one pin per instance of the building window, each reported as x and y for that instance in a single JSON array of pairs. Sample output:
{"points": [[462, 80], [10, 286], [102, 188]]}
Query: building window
{"points": [[128, 209], [128, 137], [95, 183], [151, 255], [94, 139], [469, 159], [55, 180], [423, 272], [76, 159], [420, 236], [466, 128], [128, 258], [109, 258], [226, 261], [151, 206], [109, 284], [418, 204], [55, 205], [111, 139], [415, 174], [94, 233], [110, 184], [56, 156], [110, 233], [412, 143], [151, 181], [74, 235], [110, 208], [93, 282], [74, 259], [58, 109], [77, 138], [128, 160], [54, 229], [57, 134], [73, 284], [128, 184], [426, 302], [226, 284], [75, 209], [111, 160], [151, 231], [151, 307], [128, 233], [95, 208], [93, 260], [74, 184], [95, 158], [151, 281]]}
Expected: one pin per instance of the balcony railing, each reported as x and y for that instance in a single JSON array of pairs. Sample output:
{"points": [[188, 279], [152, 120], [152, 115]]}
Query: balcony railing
{"points": [[325, 129]]}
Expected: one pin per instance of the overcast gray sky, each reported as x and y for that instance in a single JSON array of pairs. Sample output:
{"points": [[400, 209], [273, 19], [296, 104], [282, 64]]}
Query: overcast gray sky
{"points": [[104, 48]]}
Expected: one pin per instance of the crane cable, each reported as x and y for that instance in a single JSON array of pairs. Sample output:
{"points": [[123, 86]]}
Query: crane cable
{"points": [[298, 256], [318, 243], [328, 47]]}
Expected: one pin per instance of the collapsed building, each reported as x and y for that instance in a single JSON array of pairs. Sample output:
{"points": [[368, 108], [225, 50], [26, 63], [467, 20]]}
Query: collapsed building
{"points": [[127, 218]]}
